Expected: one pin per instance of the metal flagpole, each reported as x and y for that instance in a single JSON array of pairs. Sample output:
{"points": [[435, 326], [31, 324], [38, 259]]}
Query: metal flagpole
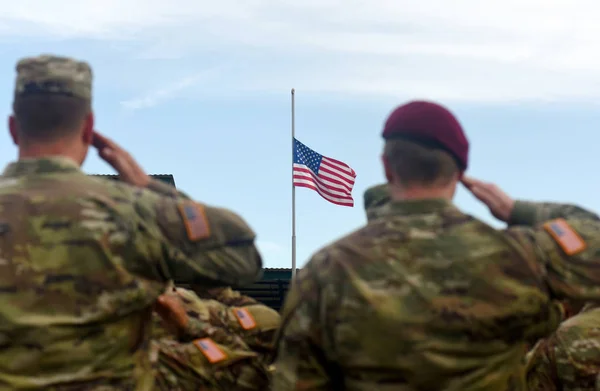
{"points": [[293, 191]]}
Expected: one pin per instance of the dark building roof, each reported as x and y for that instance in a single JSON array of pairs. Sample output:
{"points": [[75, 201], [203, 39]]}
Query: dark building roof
{"points": [[271, 289], [167, 178]]}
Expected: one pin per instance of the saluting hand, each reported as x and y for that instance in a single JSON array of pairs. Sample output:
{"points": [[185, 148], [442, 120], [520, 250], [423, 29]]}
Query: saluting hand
{"points": [[499, 203], [128, 169]]}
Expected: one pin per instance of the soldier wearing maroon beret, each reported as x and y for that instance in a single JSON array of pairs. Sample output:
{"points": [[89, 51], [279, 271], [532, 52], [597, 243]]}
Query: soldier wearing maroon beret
{"points": [[426, 297]]}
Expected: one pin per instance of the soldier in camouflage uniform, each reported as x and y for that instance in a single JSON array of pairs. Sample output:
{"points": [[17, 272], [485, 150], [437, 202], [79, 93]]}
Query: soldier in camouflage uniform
{"points": [[426, 297], [239, 330], [569, 360], [83, 259]]}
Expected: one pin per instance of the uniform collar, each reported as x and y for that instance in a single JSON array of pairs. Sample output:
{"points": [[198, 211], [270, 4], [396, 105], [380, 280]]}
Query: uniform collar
{"points": [[417, 207], [58, 164]]}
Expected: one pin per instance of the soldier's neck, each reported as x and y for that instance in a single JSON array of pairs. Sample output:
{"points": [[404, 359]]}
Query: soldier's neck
{"points": [[38, 151]]}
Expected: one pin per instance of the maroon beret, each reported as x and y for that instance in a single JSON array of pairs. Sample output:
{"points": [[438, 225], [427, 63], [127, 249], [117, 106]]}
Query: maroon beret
{"points": [[430, 124]]}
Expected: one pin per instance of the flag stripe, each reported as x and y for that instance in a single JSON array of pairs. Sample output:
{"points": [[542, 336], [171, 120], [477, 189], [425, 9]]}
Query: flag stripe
{"points": [[304, 177], [308, 176], [302, 170], [337, 201], [349, 180], [341, 166], [333, 176]]}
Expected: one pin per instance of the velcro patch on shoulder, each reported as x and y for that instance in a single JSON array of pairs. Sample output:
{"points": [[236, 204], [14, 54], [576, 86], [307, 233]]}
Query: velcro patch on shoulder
{"points": [[210, 350], [567, 238], [195, 220], [245, 318]]}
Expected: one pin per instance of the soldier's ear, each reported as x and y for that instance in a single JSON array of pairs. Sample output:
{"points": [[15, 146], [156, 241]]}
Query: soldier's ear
{"points": [[387, 169], [88, 129], [13, 129]]}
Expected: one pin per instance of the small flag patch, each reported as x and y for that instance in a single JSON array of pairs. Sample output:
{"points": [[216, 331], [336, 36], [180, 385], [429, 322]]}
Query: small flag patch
{"points": [[210, 350], [566, 237], [195, 220], [245, 318]]}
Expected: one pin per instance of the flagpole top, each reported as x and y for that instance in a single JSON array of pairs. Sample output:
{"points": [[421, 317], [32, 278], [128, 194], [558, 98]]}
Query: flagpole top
{"points": [[293, 91]]}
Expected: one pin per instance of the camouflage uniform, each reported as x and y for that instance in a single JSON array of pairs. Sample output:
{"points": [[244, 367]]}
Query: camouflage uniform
{"points": [[426, 297], [84, 259], [569, 360], [242, 330], [375, 198]]}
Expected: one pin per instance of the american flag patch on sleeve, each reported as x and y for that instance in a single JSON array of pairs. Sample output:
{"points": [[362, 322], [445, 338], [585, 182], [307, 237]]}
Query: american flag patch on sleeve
{"points": [[210, 350], [245, 318], [195, 220], [566, 237]]}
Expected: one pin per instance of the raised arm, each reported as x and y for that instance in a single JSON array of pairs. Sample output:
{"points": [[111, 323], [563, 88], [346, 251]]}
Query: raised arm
{"points": [[195, 243], [179, 239]]}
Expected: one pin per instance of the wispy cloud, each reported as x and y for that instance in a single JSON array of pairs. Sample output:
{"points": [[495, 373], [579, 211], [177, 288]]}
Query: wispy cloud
{"points": [[165, 93], [457, 50], [274, 254], [269, 246]]}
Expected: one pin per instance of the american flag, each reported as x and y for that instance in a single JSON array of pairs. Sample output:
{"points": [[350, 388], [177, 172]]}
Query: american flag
{"points": [[332, 179]]}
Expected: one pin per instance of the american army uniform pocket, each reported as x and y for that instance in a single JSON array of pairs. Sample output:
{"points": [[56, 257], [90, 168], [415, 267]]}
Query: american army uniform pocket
{"points": [[211, 362], [255, 318], [203, 353], [256, 324]]}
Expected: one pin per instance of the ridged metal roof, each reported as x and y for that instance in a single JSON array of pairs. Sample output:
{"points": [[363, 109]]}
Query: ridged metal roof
{"points": [[167, 178], [279, 269]]}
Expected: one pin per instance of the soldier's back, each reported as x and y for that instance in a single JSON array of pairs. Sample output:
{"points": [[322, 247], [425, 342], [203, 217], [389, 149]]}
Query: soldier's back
{"points": [[242, 315], [218, 351], [74, 300], [422, 298]]}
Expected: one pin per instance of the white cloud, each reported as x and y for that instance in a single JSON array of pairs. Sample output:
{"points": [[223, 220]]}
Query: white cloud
{"points": [[274, 254], [495, 50], [268, 246], [164, 93]]}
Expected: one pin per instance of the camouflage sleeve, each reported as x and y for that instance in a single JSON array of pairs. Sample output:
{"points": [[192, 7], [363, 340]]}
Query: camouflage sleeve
{"points": [[300, 362], [541, 369], [165, 189], [564, 252], [531, 214], [192, 243], [375, 198]]}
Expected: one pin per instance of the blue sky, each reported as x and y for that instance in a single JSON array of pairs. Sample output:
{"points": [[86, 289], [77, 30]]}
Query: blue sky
{"points": [[201, 90]]}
